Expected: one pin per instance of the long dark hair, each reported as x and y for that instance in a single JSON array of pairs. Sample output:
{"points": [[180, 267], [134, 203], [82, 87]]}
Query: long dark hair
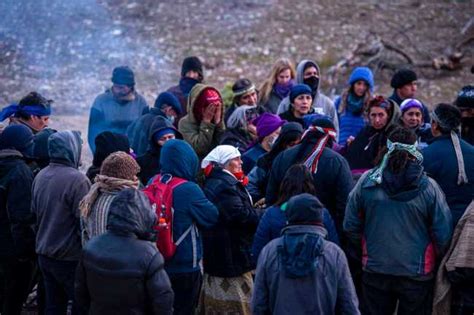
{"points": [[297, 180], [398, 159]]}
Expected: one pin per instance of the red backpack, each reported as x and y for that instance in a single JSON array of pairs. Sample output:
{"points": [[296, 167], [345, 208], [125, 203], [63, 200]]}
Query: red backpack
{"points": [[160, 194]]}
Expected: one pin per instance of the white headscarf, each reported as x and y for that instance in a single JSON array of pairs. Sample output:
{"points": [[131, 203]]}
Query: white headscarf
{"points": [[220, 155]]}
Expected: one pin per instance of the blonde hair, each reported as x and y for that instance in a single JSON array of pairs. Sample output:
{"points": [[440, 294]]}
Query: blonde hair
{"points": [[280, 65]]}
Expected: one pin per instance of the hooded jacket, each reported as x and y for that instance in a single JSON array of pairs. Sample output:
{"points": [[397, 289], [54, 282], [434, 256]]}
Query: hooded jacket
{"points": [[121, 271], [191, 207], [16, 233], [107, 114], [150, 161], [138, 132], [57, 191], [328, 289], [202, 136], [403, 226], [321, 103]]}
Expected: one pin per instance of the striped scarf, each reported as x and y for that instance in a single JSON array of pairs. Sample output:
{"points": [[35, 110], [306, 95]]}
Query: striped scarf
{"points": [[311, 161]]}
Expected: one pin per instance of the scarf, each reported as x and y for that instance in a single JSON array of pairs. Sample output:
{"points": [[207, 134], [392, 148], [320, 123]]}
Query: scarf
{"points": [[355, 104], [103, 184], [186, 85], [282, 90], [376, 174], [311, 161]]}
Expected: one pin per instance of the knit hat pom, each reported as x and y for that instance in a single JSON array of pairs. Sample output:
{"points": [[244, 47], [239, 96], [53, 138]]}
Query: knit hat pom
{"points": [[120, 165]]}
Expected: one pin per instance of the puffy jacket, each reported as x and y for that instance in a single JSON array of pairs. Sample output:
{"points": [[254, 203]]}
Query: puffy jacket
{"points": [[327, 290], [107, 114], [439, 160], [121, 271], [191, 207], [227, 246], [402, 225], [274, 221], [202, 136], [16, 233]]}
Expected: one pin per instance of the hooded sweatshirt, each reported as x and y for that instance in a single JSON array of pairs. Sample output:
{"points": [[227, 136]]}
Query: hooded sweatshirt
{"points": [[321, 103], [57, 191], [202, 136]]}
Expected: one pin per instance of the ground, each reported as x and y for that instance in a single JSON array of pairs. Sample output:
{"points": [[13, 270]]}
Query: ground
{"points": [[67, 49]]}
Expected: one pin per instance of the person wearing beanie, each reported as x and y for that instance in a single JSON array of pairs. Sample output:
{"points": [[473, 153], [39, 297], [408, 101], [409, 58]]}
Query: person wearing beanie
{"points": [[383, 115], [302, 266], [465, 103], [400, 226], [56, 193], [309, 73], [17, 237], [330, 171], [122, 271], [268, 130], [412, 117], [450, 160], [118, 172], [245, 93], [166, 106], [405, 85], [161, 131], [277, 85], [33, 111], [117, 108], [192, 73], [106, 143], [300, 100], [203, 125], [290, 135], [228, 282], [353, 102]]}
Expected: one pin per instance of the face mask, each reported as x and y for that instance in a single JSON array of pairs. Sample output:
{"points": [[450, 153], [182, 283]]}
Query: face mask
{"points": [[312, 82], [272, 141], [171, 119]]}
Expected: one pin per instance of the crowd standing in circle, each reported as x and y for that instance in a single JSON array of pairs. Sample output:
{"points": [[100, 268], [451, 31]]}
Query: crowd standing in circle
{"points": [[284, 202]]}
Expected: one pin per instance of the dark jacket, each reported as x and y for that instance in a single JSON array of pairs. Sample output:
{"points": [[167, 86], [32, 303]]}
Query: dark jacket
{"points": [[191, 207], [227, 246], [403, 224], [274, 221], [328, 289], [150, 161], [251, 156], [333, 180], [439, 160], [121, 271], [107, 114], [182, 90], [16, 233], [290, 117], [238, 138], [139, 131], [57, 191]]}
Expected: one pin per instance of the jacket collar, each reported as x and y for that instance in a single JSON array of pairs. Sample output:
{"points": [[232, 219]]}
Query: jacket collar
{"points": [[301, 229]]}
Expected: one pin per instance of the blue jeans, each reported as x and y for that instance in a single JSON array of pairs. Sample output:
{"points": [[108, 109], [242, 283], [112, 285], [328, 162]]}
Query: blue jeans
{"points": [[58, 277]]}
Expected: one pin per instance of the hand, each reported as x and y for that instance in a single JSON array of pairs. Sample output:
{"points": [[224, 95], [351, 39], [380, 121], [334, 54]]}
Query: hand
{"points": [[218, 114], [208, 113], [349, 140], [260, 203]]}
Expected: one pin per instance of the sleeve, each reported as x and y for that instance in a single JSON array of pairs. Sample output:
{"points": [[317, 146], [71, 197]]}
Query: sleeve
{"points": [[256, 179], [200, 138], [262, 237], [260, 298], [95, 118], [19, 211], [344, 183], [346, 302], [273, 186], [353, 222], [202, 210], [81, 290], [158, 287], [441, 221], [330, 227], [80, 189]]}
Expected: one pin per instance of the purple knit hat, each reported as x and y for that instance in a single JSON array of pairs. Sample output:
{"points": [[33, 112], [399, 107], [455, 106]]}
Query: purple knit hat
{"points": [[411, 103], [267, 123]]}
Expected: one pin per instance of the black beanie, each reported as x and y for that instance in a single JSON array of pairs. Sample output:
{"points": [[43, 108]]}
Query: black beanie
{"points": [[403, 77], [123, 75], [304, 209], [191, 64], [465, 97], [107, 143]]}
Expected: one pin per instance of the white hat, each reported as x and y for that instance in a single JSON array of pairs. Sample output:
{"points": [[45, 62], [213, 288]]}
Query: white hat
{"points": [[220, 155]]}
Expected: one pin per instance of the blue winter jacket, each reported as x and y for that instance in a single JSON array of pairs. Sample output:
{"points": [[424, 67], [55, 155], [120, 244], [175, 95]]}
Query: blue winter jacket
{"points": [[249, 158], [441, 164], [403, 226], [273, 222], [191, 207], [349, 124], [109, 115]]}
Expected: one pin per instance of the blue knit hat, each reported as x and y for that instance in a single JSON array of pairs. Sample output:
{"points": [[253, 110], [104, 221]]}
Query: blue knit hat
{"points": [[364, 74], [299, 89], [123, 75], [160, 133], [167, 98], [18, 137]]}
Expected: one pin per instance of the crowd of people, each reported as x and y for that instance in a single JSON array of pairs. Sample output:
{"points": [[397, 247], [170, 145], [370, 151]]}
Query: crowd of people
{"points": [[284, 201]]}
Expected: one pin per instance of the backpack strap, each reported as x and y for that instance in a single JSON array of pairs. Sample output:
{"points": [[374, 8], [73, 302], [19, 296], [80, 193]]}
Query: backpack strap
{"points": [[183, 236]]}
